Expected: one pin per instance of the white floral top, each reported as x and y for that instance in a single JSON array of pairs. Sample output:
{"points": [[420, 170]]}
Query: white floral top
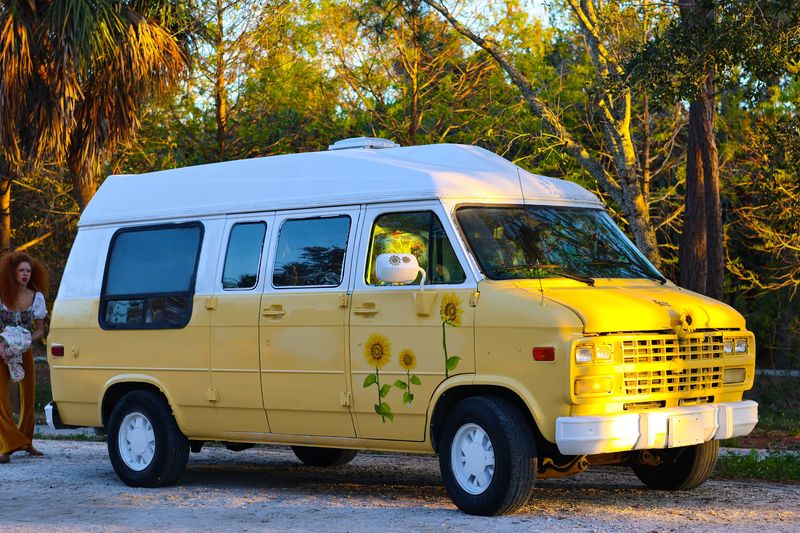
{"points": [[36, 311]]}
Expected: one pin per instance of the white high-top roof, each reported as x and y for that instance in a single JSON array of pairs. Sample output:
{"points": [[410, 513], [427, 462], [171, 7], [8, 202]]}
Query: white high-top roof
{"points": [[316, 179]]}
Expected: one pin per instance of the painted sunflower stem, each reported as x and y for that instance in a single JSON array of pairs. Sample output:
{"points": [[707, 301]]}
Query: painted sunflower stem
{"points": [[378, 381], [444, 346]]}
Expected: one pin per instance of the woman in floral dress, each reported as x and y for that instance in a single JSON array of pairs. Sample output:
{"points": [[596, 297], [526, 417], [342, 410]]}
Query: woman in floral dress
{"points": [[23, 285]]}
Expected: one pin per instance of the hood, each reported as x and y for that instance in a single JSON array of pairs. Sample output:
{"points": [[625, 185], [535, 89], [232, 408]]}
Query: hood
{"points": [[643, 307]]}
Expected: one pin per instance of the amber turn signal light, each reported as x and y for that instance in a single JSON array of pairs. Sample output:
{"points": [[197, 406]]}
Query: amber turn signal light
{"points": [[544, 353]]}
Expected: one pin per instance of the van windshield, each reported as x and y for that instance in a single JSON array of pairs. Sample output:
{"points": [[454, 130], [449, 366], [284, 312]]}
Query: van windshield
{"points": [[527, 242]]}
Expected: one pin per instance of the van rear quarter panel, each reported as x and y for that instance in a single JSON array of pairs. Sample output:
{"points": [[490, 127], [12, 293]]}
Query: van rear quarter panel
{"points": [[175, 360]]}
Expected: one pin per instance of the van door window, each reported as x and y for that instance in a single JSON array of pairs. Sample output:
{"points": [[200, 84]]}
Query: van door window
{"points": [[311, 252], [419, 233], [243, 256], [150, 275]]}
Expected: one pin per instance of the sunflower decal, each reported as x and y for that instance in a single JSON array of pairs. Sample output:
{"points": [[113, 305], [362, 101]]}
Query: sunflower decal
{"points": [[450, 311], [378, 353], [408, 362]]}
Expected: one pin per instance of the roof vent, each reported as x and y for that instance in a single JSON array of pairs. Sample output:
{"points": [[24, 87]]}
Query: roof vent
{"points": [[363, 142]]}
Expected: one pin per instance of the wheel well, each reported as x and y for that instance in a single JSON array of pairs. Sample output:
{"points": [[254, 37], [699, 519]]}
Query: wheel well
{"points": [[449, 399], [118, 390]]}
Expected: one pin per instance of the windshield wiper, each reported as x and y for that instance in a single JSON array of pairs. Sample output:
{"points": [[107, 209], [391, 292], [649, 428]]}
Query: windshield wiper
{"points": [[563, 272], [637, 269]]}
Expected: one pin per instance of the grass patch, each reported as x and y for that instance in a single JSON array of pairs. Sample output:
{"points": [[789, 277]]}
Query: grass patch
{"points": [[72, 436], [774, 466]]}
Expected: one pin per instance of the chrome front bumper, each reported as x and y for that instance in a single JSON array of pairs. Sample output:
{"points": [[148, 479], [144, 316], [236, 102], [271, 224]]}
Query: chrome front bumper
{"points": [[657, 428]]}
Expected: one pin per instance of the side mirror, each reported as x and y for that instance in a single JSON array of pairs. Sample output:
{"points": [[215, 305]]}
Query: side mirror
{"points": [[398, 268]]}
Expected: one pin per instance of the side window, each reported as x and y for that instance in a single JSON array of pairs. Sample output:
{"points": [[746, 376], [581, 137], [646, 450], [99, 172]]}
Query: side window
{"points": [[243, 256], [419, 233], [311, 252], [150, 275]]}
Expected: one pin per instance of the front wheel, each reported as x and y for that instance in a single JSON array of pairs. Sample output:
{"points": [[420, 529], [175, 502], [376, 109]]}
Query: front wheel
{"points": [[681, 468], [145, 445], [487, 456]]}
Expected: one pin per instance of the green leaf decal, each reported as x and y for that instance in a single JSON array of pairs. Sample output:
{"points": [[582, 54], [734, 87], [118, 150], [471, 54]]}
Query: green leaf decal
{"points": [[408, 398], [400, 384], [415, 380], [452, 363], [384, 410], [370, 380], [385, 390]]}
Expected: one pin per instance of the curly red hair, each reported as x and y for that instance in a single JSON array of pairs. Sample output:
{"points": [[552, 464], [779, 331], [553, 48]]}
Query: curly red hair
{"points": [[9, 289]]}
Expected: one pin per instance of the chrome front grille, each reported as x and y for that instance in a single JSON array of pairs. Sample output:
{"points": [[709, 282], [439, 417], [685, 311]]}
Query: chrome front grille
{"points": [[664, 364]]}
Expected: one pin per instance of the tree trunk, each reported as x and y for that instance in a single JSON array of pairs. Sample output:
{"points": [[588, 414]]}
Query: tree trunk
{"points": [[220, 87], [715, 258], [83, 185], [5, 209], [702, 267], [693, 245]]}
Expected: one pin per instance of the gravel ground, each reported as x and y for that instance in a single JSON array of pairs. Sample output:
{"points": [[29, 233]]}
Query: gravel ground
{"points": [[73, 488]]}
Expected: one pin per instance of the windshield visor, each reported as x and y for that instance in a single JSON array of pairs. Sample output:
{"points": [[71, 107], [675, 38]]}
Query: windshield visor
{"points": [[529, 242]]}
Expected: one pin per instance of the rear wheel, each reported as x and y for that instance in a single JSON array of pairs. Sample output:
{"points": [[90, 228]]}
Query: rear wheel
{"points": [[487, 456], [314, 456], [681, 468], [145, 445]]}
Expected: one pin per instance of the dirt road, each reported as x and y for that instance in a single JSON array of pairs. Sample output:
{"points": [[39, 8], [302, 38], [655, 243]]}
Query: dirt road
{"points": [[74, 488]]}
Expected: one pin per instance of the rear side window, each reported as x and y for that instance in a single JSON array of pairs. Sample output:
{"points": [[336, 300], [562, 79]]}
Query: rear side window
{"points": [[311, 252], [243, 256], [150, 275]]}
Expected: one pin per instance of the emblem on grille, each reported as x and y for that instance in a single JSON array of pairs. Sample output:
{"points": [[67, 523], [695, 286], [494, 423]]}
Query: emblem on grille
{"points": [[684, 325]]}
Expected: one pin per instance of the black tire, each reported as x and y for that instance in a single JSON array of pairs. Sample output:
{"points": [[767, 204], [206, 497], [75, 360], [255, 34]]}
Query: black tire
{"points": [[510, 480], [314, 456], [151, 436], [683, 468]]}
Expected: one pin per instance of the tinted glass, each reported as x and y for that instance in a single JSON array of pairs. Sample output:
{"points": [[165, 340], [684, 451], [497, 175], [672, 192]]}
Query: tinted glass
{"points": [[150, 277], [541, 241], [311, 252], [419, 233], [153, 261], [243, 255]]}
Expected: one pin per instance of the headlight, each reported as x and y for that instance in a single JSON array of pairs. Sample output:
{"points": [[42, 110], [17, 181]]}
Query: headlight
{"points": [[604, 353], [740, 346], [727, 346], [583, 354]]}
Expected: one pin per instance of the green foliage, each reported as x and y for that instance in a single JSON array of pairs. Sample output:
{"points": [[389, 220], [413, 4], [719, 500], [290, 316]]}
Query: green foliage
{"points": [[721, 36], [774, 466]]}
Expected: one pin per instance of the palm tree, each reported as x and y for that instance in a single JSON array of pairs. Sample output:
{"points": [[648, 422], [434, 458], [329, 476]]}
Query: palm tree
{"points": [[74, 76]]}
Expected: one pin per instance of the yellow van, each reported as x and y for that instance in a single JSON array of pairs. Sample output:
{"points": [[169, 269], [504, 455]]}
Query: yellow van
{"points": [[427, 299]]}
